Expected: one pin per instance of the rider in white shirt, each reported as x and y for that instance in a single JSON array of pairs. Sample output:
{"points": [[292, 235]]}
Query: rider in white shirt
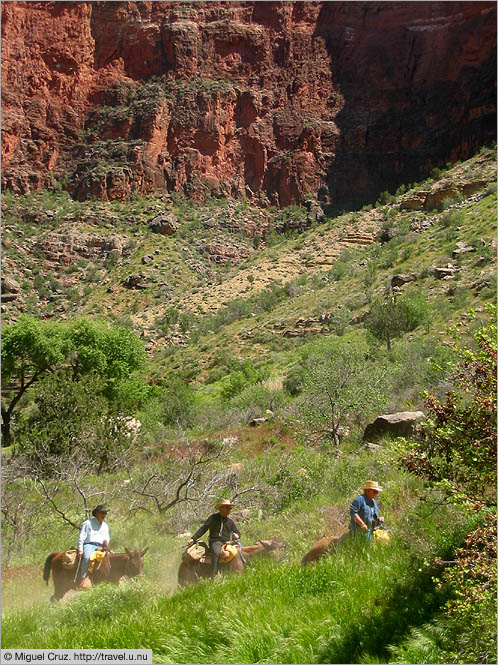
{"points": [[94, 535]]}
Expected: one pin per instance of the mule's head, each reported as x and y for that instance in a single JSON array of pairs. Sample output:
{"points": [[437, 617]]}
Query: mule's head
{"points": [[135, 562], [272, 545]]}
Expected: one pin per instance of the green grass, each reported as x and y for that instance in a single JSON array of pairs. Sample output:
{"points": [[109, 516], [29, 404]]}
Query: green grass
{"points": [[353, 604]]}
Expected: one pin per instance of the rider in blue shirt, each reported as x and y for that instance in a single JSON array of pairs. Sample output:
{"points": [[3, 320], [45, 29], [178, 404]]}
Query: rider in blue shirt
{"points": [[364, 511]]}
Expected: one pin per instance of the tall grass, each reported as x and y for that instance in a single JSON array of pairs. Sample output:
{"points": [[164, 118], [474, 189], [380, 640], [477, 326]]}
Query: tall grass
{"points": [[347, 608]]}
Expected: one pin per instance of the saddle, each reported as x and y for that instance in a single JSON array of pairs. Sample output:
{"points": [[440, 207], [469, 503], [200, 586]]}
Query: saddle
{"points": [[200, 553]]}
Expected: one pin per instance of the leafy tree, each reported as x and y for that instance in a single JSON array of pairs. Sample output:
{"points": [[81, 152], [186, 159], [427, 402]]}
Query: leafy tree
{"points": [[392, 316], [71, 422], [340, 382], [458, 456], [31, 349], [244, 374]]}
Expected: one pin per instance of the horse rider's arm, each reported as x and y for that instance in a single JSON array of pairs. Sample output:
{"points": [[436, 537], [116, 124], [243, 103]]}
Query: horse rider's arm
{"points": [[108, 539], [82, 536], [202, 529], [360, 522], [354, 510], [235, 531]]}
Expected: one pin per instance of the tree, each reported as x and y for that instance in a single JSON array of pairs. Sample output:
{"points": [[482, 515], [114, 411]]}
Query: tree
{"points": [[392, 316], [71, 419], [339, 382], [31, 349]]}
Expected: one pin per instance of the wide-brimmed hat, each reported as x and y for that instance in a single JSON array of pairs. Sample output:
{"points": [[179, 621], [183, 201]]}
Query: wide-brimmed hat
{"points": [[223, 502], [100, 509], [372, 485]]}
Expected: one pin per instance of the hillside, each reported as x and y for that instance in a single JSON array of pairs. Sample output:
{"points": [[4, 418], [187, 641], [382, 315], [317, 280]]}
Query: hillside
{"points": [[218, 270], [246, 314], [249, 253]]}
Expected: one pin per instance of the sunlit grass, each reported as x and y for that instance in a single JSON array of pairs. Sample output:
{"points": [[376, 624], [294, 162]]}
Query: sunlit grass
{"points": [[353, 603]]}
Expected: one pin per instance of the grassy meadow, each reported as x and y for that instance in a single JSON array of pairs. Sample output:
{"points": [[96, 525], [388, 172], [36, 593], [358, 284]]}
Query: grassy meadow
{"points": [[351, 607]]}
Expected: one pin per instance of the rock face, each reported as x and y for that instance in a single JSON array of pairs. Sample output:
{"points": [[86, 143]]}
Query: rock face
{"points": [[395, 424], [65, 247], [269, 100]]}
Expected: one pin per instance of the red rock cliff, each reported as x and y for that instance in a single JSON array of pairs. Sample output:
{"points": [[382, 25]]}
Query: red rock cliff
{"points": [[272, 100]]}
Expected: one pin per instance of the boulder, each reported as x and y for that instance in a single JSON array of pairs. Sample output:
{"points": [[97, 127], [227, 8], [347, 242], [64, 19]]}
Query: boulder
{"points": [[470, 188], [445, 273], [394, 424], [399, 280], [255, 422], [135, 282], [435, 198], [10, 285], [166, 224], [462, 248], [414, 201]]}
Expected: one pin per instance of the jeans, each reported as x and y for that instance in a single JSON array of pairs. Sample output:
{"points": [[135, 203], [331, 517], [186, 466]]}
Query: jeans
{"points": [[88, 548], [215, 546]]}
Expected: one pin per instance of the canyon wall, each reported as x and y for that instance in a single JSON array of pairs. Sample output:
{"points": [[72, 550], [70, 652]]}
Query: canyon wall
{"points": [[269, 100]]}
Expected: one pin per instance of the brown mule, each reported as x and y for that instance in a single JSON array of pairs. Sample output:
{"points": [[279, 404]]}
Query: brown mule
{"points": [[191, 571], [323, 547], [112, 568]]}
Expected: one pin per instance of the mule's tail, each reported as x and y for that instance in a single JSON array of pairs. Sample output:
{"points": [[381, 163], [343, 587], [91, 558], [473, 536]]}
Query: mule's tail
{"points": [[47, 567]]}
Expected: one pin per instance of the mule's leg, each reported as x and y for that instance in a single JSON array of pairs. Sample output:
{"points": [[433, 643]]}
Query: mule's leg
{"points": [[186, 574], [62, 583]]}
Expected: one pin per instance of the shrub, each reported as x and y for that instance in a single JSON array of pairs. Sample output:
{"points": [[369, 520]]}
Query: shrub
{"points": [[179, 402], [384, 199], [452, 218], [244, 374], [294, 381], [459, 453]]}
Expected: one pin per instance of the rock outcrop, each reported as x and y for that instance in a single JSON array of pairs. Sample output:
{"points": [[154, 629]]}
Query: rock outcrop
{"points": [[272, 101], [393, 424]]}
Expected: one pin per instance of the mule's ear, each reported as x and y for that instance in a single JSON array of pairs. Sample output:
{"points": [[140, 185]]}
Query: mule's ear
{"points": [[143, 552], [127, 551]]}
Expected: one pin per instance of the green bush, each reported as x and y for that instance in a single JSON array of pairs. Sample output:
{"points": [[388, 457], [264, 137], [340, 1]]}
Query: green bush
{"points": [[452, 218], [244, 374], [179, 403]]}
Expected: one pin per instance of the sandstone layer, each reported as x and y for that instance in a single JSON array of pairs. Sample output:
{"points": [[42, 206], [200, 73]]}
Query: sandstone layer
{"points": [[274, 101]]}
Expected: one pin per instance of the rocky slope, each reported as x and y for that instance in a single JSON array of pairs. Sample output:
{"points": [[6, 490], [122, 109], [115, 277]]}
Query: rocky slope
{"points": [[268, 100]]}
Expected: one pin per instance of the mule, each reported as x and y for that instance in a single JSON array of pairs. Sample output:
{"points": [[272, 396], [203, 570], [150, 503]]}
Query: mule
{"points": [[113, 567], [323, 547], [191, 571]]}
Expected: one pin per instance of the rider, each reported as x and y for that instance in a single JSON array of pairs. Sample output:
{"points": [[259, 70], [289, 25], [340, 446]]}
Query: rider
{"points": [[364, 511], [94, 535], [221, 530]]}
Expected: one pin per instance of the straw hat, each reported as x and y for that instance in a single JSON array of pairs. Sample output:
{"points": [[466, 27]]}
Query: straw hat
{"points": [[372, 485], [223, 502]]}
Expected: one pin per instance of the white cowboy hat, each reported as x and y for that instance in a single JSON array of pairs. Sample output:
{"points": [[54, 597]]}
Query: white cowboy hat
{"points": [[223, 502], [372, 485]]}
